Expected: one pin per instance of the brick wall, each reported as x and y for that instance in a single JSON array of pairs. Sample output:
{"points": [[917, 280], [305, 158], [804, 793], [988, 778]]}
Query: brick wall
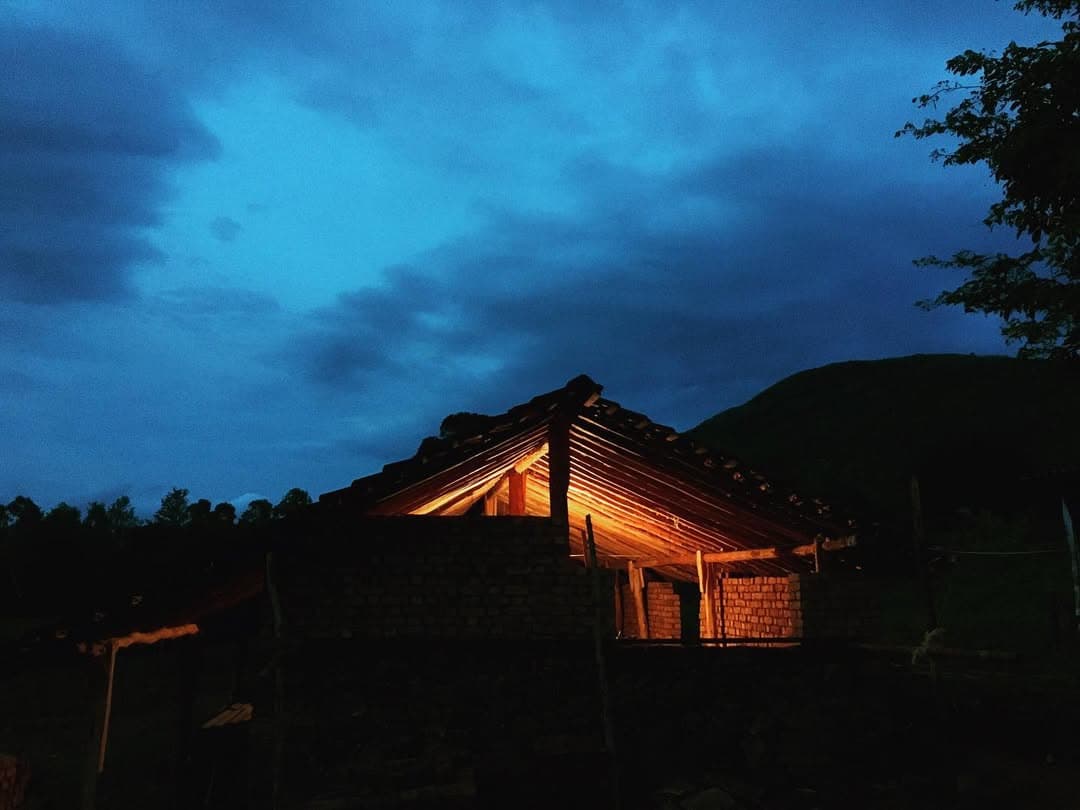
{"points": [[436, 577], [662, 605], [831, 605], [758, 607], [834, 605]]}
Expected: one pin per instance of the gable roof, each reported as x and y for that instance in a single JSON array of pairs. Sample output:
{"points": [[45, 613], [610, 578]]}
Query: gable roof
{"points": [[651, 491]]}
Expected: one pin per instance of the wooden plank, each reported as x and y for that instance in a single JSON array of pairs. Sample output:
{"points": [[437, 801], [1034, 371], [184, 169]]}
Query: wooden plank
{"points": [[829, 544], [637, 583], [533, 457], [705, 585], [742, 555], [519, 482], [746, 554], [723, 613]]}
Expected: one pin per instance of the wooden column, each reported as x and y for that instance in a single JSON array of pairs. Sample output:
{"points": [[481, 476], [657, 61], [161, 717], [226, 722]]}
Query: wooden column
{"points": [[491, 503], [637, 585], [720, 598], [559, 469], [519, 482], [705, 587]]}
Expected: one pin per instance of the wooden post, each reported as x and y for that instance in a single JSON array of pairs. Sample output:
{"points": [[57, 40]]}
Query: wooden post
{"points": [[108, 707], [819, 558], [97, 680], [1070, 540], [918, 536], [601, 663], [720, 599], [491, 503], [637, 583], [519, 482], [706, 590], [619, 619], [559, 470]]}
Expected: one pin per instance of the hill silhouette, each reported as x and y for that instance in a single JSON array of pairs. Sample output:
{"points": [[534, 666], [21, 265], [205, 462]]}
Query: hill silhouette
{"points": [[980, 432]]}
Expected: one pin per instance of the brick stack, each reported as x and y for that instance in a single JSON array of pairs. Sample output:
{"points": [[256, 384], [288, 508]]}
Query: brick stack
{"points": [[662, 605], [759, 607]]}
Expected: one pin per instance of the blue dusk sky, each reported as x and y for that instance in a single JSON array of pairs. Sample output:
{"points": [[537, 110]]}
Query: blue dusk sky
{"points": [[247, 246]]}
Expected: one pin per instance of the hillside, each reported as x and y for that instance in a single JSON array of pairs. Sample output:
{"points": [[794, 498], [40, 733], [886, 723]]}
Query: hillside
{"points": [[975, 430]]}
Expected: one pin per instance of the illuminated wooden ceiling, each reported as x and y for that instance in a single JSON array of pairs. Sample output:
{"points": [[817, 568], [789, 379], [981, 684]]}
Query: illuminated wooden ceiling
{"points": [[652, 493]]}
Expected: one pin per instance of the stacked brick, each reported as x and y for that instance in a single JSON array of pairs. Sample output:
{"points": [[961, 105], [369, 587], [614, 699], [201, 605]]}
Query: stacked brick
{"points": [[662, 603], [438, 577], [759, 607], [793, 606]]}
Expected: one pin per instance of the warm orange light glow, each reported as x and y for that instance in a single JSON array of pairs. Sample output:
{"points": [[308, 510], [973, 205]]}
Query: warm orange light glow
{"points": [[154, 636]]}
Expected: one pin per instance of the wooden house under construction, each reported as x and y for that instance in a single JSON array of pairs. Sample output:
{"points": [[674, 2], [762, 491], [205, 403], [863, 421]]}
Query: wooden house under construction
{"points": [[701, 545]]}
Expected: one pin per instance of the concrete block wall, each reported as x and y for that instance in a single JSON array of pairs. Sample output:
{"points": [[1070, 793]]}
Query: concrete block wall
{"points": [[437, 577]]}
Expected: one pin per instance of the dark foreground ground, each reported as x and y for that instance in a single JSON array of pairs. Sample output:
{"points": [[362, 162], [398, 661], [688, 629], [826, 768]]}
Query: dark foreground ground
{"points": [[514, 725]]}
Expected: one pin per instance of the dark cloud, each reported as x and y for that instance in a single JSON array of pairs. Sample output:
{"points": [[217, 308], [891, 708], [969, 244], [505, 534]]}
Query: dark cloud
{"points": [[86, 140], [209, 300], [684, 292], [225, 229]]}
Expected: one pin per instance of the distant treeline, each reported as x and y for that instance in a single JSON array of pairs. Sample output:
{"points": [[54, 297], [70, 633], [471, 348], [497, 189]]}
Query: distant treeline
{"points": [[59, 560]]}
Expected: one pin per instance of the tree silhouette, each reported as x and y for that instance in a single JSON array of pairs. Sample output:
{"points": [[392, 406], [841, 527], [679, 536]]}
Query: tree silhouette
{"points": [[292, 502], [199, 514], [225, 514], [25, 512], [174, 509], [1022, 120], [122, 515], [258, 513], [63, 518]]}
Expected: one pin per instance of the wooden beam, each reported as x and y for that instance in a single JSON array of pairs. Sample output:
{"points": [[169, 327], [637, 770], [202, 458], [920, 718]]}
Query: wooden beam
{"points": [[834, 544], [637, 583], [491, 502], [746, 554], [533, 457], [519, 482], [559, 470]]}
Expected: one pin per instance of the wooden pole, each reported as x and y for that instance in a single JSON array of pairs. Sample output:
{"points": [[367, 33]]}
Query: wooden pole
{"points": [[491, 503], [637, 583], [705, 588], [918, 536], [519, 482], [108, 708], [601, 661], [1070, 540], [620, 622], [720, 599]]}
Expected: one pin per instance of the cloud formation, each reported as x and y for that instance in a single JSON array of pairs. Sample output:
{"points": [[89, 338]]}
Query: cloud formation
{"points": [[87, 137]]}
